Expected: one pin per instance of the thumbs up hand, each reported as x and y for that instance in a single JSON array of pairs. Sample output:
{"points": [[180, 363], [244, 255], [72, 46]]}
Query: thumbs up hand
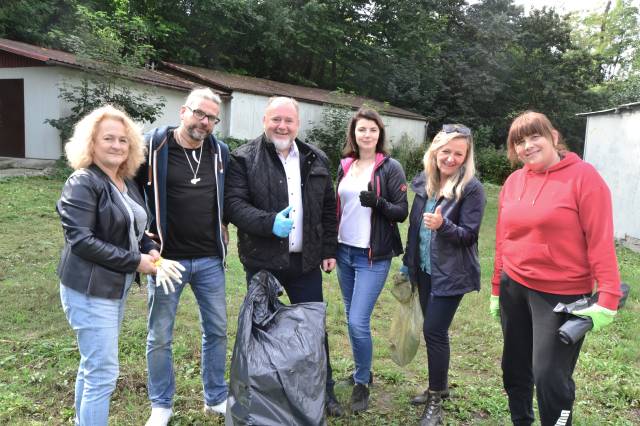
{"points": [[433, 220]]}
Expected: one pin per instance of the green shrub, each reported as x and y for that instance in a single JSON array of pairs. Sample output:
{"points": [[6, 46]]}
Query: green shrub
{"points": [[493, 165], [409, 154], [330, 135], [61, 170], [234, 143], [482, 136]]}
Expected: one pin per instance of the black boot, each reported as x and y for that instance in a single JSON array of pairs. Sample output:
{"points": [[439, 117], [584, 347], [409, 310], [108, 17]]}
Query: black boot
{"points": [[432, 414], [352, 382], [331, 404], [422, 397], [359, 398]]}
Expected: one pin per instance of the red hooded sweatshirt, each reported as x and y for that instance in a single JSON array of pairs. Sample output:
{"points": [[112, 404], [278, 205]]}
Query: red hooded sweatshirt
{"points": [[555, 232]]}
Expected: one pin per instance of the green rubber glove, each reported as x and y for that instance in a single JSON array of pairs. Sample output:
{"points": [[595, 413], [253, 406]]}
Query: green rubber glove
{"points": [[599, 315], [494, 307]]}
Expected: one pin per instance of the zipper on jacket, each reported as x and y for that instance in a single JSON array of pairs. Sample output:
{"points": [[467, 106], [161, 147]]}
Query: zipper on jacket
{"points": [[156, 199], [215, 173], [375, 182]]}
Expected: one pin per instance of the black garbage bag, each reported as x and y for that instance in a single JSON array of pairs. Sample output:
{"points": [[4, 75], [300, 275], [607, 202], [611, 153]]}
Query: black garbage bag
{"points": [[279, 366], [577, 326]]}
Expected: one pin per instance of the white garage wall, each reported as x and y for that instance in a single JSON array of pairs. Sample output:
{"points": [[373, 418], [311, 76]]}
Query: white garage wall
{"points": [[40, 103], [612, 145], [41, 88], [247, 110], [241, 115]]}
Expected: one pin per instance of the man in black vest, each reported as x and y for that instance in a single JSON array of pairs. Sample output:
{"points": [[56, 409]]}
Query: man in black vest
{"points": [[183, 181], [279, 193]]}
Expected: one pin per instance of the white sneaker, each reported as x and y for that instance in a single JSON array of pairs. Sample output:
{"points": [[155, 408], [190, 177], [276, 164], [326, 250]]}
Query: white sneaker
{"points": [[216, 409], [159, 416]]}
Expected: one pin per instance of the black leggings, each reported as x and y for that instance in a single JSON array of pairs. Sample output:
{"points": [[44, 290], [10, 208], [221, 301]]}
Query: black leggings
{"points": [[533, 353], [438, 313]]}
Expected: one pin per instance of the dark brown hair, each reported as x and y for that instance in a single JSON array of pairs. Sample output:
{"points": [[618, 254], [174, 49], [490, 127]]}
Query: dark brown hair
{"points": [[526, 124], [350, 146]]}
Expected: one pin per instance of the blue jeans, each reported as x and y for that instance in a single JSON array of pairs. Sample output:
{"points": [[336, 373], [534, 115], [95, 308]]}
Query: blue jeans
{"points": [[206, 276], [361, 283], [96, 322]]}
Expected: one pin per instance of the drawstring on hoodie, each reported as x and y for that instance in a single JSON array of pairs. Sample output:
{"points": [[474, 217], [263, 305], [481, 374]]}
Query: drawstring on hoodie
{"points": [[538, 192], [535, 197]]}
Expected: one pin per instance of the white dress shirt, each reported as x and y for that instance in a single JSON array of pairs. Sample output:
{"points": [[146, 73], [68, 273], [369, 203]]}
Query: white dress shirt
{"points": [[294, 190]]}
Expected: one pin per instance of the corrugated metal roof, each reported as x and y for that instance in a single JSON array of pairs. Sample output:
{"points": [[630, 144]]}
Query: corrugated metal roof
{"points": [[222, 82], [616, 110], [260, 86], [57, 57]]}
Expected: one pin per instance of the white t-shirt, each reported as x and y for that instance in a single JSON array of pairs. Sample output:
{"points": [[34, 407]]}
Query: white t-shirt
{"points": [[355, 221]]}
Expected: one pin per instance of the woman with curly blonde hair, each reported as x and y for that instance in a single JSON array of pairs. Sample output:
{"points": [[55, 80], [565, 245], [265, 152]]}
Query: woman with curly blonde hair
{"points": [[103, 218]]}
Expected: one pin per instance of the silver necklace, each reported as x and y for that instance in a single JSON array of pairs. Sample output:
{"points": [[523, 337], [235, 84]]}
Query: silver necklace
{"points": [[195, 173]]}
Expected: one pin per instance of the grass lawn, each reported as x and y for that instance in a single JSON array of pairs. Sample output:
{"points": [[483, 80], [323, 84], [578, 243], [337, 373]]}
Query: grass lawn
{"points": [[38, 354]]}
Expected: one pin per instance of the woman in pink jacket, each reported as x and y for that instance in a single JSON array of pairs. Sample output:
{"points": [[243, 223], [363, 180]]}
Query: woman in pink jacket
{"points": [[554, 242]]}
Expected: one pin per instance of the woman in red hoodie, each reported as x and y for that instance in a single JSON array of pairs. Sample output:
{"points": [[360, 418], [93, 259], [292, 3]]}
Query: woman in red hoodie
{"points": [[554, 240]]}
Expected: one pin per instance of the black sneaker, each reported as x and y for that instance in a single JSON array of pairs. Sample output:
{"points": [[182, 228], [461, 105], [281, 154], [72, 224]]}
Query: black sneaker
{"points": [[352, 382], [332, 406], [359, 398]]}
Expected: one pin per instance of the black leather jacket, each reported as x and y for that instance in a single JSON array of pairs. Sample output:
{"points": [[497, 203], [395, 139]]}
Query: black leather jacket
{"points": [[256, 190], [96, 256]]}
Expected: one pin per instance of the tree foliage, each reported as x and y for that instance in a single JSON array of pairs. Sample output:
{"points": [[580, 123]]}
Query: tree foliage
{"points": [[110, 44], [330, 135], [479, 63]]}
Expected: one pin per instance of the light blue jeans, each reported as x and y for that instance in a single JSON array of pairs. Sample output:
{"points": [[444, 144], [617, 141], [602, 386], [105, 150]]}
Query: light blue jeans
{"points": [[361, 283], [96, 322], [206, 276]]}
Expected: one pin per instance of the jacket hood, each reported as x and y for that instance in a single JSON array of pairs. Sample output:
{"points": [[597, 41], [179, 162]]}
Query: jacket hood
{"points": [[347, 162], [569, 160]]}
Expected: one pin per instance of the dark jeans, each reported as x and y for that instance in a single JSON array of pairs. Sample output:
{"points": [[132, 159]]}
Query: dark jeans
{"points": [[438, 313], [301, 287], [533, 354]]}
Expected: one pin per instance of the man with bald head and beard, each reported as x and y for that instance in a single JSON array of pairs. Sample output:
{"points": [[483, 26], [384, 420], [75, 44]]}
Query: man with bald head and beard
{"points": [[183, 183], [279, 193]]}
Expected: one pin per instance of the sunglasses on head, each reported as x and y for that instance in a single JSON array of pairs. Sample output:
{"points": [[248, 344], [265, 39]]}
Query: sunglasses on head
{"points": [[456, 128]]}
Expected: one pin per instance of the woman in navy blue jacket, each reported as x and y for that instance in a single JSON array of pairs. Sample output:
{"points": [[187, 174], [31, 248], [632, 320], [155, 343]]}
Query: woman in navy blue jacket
{"points": [[442, 249]]}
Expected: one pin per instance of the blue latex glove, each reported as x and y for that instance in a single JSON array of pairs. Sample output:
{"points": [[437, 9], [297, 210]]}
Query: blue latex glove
{"points": [[282, 224], [599, 315], [404, 270], [494, 307]]}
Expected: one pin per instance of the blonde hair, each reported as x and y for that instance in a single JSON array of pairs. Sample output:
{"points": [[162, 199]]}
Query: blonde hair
{"points": [[455, 184], [79, 149]]}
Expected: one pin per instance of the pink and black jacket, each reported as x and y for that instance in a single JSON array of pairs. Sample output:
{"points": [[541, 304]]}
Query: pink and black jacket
{"points": [[388, 182]]}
